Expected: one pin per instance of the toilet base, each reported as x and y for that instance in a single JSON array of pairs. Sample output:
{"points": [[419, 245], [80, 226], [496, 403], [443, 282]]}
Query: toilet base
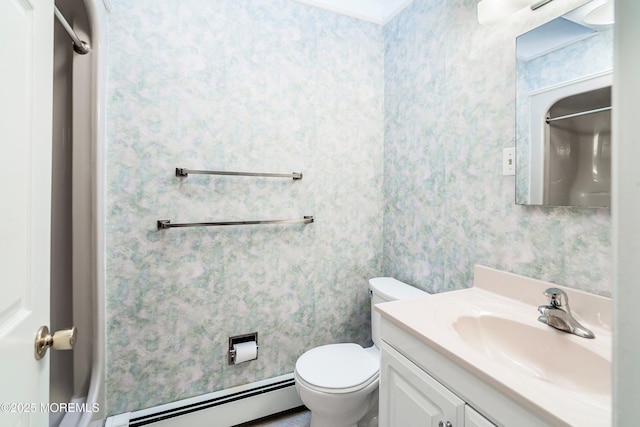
{"points": [[355, 409], [370, 419]]}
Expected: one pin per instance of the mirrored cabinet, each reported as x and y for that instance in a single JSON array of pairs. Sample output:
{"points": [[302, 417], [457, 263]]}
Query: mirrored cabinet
{"points": [[563, 110]]}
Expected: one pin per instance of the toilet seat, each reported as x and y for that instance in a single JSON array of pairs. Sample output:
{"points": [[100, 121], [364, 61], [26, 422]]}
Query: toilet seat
{"points": [[337, 368]]}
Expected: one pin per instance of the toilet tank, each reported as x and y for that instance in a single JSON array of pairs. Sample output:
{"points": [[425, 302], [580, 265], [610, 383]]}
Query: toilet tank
{"points": [[385, 289]]}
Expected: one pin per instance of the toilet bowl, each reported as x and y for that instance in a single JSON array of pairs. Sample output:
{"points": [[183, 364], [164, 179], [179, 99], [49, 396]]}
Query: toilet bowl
{"points": [[339, 382]]}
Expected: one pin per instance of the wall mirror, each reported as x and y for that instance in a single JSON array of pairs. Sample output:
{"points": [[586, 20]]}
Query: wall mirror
{"points": [[563, 109]]}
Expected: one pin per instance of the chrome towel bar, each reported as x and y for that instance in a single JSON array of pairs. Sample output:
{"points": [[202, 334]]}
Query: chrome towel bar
{"points": [[165, 223], [582, 113], [79, 46], [183, 173]]}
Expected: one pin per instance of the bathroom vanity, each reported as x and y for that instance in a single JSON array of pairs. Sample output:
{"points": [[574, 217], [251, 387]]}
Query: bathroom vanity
{"points": [[479, 357], [412, 397]]}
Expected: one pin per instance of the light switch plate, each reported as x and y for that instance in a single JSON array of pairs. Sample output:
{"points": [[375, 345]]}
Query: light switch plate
{"points": [[509, 161]]}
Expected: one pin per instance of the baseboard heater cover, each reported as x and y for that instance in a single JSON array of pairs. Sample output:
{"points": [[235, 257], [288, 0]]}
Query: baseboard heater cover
{"points": [[228, 407]]}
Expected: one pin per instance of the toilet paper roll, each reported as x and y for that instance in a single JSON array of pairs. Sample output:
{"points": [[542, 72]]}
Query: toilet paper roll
{"points": [[245, 351]]}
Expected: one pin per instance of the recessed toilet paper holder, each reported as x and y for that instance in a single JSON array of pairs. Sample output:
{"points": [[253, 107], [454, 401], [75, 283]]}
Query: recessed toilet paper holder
{"points": [[253, 336]]}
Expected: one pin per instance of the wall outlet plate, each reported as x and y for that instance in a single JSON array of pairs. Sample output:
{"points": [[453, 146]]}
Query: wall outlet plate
{"points": [[509, 161]]}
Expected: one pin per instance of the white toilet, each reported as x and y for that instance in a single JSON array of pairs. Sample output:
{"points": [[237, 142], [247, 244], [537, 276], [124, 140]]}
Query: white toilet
{"points": [[339, 382]]}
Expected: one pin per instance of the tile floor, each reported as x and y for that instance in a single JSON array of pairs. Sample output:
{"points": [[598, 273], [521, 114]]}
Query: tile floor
{"points": [[298, 417]]}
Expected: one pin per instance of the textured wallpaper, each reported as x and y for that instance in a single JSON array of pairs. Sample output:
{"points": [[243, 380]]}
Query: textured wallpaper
{"points": [[449, 112], [243, 85]]}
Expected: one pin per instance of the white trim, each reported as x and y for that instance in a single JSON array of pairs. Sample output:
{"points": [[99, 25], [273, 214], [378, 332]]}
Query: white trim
{"points": [[625, 212], [573, 82], [98, 39], [376, 11], [393, 10]]}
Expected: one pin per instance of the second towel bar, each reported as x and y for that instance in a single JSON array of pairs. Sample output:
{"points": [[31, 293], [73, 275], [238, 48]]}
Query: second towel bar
{"points": [[165, 223], [183, 172]]}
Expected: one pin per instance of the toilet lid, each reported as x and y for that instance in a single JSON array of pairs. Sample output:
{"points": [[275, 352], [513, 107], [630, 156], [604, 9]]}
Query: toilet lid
{"points": [[337, 366]]}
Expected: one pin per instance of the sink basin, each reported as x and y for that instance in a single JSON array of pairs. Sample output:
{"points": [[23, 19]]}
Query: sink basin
{"points": [[543, 353]]}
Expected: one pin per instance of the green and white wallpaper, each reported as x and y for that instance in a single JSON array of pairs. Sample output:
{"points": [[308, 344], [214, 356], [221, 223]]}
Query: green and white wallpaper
{"points": [[257, 86], [398, 131], [449, 112]]}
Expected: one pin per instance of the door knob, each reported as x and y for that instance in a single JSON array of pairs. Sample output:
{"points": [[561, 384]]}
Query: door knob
{"points": [[63, 339]]}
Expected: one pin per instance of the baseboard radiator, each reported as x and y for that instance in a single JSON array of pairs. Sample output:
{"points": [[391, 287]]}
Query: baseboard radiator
{"points": [[223, 408]]}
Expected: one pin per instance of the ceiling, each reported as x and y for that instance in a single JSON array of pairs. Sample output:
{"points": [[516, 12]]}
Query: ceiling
{"points": [[376, 11]]}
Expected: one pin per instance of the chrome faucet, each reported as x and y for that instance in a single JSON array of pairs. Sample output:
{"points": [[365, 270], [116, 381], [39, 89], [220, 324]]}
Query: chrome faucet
{"points": [[558, 314]]}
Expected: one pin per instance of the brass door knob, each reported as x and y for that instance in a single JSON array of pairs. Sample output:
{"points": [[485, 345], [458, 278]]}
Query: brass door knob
{"points": [[63, 339]]}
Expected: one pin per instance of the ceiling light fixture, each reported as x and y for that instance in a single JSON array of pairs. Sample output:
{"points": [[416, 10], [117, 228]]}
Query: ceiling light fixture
{"points": [[490, 12]]}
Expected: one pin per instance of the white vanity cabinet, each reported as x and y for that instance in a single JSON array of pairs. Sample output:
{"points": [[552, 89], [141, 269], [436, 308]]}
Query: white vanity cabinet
{"points": [[473, 418], [419, 386], [410, 397]]}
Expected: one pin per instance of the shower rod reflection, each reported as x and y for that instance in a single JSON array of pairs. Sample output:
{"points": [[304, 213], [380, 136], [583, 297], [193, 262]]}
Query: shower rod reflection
{"points": [[79, 46], [183, 173], [165, 223], [582, 113]]}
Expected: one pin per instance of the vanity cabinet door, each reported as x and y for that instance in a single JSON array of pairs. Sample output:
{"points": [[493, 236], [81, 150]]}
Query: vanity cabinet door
{"points": [[409, 397], [473, 418]]}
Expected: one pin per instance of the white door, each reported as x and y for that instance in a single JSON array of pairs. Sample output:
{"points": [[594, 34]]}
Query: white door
{"points": [[26, 70]]}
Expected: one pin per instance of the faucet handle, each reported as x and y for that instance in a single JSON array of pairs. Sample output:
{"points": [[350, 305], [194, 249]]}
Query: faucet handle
{"points": [[557, 297]]}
